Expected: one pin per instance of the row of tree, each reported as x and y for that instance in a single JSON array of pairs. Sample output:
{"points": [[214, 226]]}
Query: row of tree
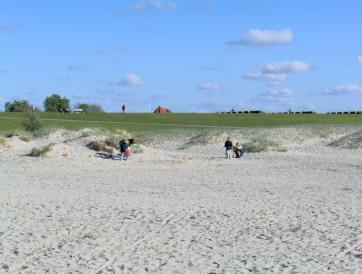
{"points": [[53, 103]]}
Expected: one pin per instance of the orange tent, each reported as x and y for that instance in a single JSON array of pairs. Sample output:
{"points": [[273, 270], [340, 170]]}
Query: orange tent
{"points": [[162, 110]]}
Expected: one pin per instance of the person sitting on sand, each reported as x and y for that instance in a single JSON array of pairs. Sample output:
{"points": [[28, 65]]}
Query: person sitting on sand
{"points": [[238, 150], [228, 146], [123, 149]]}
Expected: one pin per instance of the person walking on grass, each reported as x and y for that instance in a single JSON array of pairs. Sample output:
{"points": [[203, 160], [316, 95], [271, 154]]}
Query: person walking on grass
{"points": [[124, 108], [228, 146]]}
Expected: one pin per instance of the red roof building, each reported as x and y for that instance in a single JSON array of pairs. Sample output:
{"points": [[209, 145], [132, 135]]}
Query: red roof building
{"points": [[162, 110]]}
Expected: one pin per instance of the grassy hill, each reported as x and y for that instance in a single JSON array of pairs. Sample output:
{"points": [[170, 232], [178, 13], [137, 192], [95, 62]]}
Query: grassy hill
{"points": [[150, 121]]}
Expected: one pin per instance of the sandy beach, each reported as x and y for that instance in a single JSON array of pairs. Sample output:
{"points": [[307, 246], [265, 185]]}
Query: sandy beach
{"points": [[181, 207]]}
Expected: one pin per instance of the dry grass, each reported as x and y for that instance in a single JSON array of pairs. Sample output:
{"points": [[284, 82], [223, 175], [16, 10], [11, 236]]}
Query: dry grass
{"points": [[262, 145], [11, 134], [42, 151], [99, 146], [112, 143], [26, 138], [3, 143], [349, 141]]}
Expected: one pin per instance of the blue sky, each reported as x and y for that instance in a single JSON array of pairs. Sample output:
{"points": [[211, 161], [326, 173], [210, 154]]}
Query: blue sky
{"points": [[189, 56]]}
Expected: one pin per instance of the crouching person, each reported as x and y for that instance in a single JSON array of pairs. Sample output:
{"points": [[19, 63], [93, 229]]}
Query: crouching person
{"points": [[238, 150], [123, 149]]}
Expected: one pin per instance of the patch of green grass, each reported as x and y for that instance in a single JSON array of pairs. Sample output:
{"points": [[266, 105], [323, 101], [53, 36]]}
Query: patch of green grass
{"points": [[42, 151], [201, 119]]}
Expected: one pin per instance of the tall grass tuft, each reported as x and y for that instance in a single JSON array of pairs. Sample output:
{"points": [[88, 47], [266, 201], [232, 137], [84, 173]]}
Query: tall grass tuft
{"points": [[26, 138], [262, 145], [42, 151]]}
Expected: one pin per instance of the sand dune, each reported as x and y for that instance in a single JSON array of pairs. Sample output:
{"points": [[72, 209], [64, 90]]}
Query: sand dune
{"points": [[181, 207]]}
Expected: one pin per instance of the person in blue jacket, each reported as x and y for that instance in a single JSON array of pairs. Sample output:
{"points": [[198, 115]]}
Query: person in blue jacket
{"points": [[228, 146], [123, 148]]}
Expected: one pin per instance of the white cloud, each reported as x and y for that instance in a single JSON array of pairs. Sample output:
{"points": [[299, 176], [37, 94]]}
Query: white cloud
{"points": [[204, 4], [79, 67], [120, 48], [342, 90], [8, 27], [359, 59], [153, 5], [284, 67], [274, 93], [259, 38], [62, 78], [209, 86], [130, 79], [274, 73], [99, 52], [266, 76]]}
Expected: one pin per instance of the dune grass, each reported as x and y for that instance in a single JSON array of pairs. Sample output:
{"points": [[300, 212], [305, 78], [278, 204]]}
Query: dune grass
{"points": [[41, 151]]}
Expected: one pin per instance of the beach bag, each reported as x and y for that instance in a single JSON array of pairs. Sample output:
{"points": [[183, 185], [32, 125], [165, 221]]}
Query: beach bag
{"points": [[128, 152]]}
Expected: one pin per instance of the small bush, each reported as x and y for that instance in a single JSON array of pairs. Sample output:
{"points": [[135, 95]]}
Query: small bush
{"points": [[3, 143], [99, 146], [37, 152], [33, 123]]}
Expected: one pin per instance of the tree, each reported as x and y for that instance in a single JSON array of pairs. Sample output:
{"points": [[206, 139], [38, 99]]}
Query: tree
{"points": [[18, 106], [94, 108], [89, 108], [55, 103], [84, 107]]}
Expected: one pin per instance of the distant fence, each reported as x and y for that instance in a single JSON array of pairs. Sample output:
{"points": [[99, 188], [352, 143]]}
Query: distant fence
{"points": [[287, 112]]}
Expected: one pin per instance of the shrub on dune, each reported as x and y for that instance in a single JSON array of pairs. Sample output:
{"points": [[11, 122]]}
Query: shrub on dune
{"points": [[42, 151], [99, 146]]}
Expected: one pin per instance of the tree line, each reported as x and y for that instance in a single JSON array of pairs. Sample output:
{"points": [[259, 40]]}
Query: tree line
{"points": [[53, 103]]}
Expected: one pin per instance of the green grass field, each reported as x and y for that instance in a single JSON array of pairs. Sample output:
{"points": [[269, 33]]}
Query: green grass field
{"points": [[182, 121]]}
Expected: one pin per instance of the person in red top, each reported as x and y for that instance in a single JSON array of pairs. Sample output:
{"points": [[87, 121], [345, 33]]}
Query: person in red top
{"points": [[124, 108]]}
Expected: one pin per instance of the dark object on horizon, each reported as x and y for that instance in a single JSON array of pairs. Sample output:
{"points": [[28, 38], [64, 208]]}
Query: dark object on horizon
{"points": [[131, 142], [124, 108], [160, 109]]}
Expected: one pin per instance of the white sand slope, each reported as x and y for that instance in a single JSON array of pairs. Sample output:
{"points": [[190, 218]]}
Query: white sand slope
{"points": [[170, 210]]}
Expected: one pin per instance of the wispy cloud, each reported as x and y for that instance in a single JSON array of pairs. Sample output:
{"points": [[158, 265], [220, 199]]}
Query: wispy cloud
{"points": [[8, 27], [204, 4], [144, 5], [209, 86], [130, 79], [4, 71], [77, 67], [341, 90], [273, 73], [62, 78], [276, 95], [120, 48], [99, 52], [260, 38], [359, 59]]}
